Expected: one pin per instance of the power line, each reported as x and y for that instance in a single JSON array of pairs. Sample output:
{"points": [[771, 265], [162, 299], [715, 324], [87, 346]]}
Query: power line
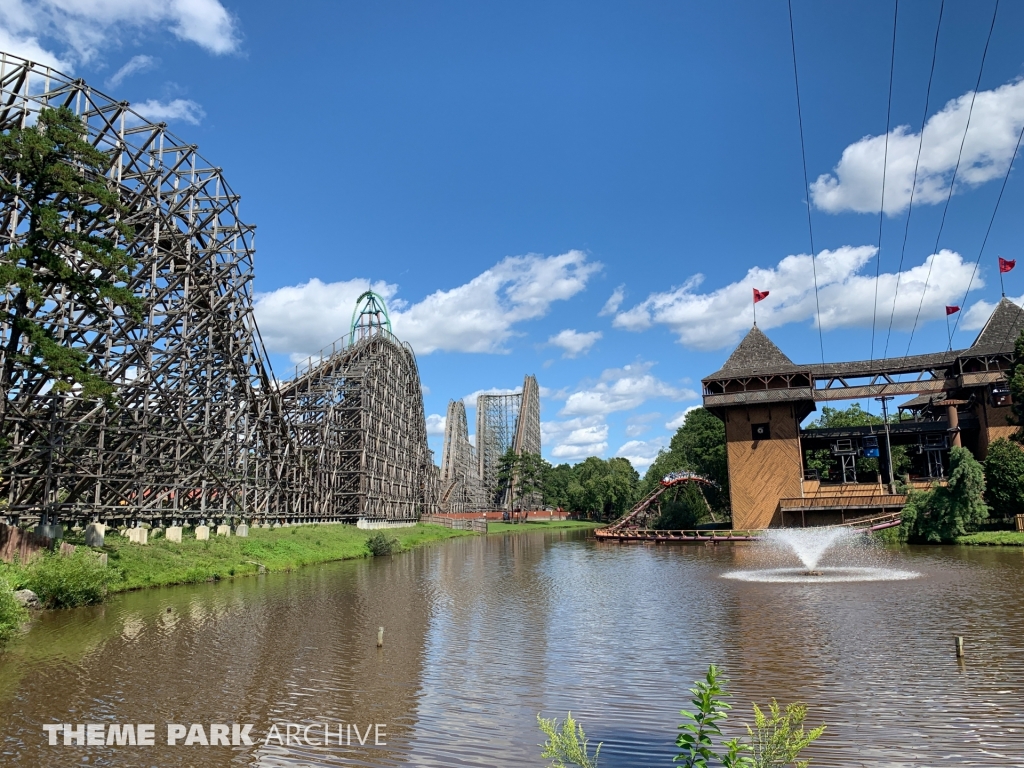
{"points": [[803, 157], [885, 168], [988, 230], [952, 181], [917, 164]]}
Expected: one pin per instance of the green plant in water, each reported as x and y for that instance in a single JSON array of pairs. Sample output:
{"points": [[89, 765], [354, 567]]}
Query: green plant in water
{"points": [[382, 544], [67, 582], [11, 612], [695, 741], [778, 737], [567, 744]]}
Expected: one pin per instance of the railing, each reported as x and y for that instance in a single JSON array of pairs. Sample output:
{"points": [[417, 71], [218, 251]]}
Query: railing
{"points": [[844, 501], [455, 523]]}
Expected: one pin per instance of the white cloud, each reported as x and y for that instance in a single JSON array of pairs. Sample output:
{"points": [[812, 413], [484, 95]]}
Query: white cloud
{"points": [[974, 319], [621, 389], [635, 430], [856, 182], [28, 47], [584, 431], [642, 453], [470, 399], [573, 342], [301, 320], [83, 28], [717, 319], [575, 438], [479, 316], [133, 66], [163, 111], [436, 424], [614, 301], [677, 421]]}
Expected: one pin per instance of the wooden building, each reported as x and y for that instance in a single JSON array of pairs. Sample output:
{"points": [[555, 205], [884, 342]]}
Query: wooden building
{"points": [[961, 398]]}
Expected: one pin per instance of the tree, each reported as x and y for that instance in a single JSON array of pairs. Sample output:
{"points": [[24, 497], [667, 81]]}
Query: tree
{"points": [[946, 512], [1004, 478], [854, 416], [520, 476], [70, 222], [698, 446], [1017, 389], [555, 485]]}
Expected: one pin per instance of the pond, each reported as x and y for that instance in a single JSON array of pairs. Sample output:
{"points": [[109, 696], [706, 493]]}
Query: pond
{"points": [[484, 633]]}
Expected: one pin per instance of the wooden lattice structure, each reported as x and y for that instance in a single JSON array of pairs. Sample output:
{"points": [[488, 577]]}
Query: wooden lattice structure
{"points": [[200, 427], [505, 421], [461, 489]]}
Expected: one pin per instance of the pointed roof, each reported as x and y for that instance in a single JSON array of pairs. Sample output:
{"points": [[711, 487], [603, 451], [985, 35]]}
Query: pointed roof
{"points": [[756, 353], [1001, 329]]}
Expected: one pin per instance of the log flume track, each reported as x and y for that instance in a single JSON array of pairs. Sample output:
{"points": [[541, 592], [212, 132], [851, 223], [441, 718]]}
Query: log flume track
{"points": [[632, 526]]}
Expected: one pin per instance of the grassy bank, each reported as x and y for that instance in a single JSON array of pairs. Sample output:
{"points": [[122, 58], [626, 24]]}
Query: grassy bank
{"points": [[163, 563], [994, 538], [540, 525]]}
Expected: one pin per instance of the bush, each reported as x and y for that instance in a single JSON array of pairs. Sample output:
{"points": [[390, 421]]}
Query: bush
{"points": [[944, 513], [1004, 478], [566, 744], [67, 582], [11, 612], [382, 544]]}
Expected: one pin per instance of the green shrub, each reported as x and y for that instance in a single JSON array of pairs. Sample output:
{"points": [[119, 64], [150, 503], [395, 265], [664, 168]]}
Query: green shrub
{"points": [[943, 513], [382, 544], [567, 744], [11, 612], [695, 740], [67, 582], [779, 737]]}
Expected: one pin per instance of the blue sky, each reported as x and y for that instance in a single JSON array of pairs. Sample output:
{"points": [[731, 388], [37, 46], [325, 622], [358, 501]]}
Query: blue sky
{"points": [[583, 191]]}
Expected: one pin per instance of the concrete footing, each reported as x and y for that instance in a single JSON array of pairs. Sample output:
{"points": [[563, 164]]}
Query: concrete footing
{"points": [[223, 530], [202, 533], [242, 530], [174, 534], [94, 534], [53, 531], [138, 535]]}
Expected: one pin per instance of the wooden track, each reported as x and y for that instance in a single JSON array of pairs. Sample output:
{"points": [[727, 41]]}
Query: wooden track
{"points": [[622, 534]]}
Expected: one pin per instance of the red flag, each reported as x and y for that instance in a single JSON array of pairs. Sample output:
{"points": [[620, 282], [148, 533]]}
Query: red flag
{"points": [[952, 310], [1005, 265], [760, 295]]}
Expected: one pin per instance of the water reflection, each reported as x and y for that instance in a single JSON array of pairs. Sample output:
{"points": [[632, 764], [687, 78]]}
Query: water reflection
{"points": [[483, 633]]}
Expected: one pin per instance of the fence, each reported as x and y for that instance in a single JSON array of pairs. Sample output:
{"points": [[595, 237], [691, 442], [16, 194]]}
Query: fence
{"points": [[477, 526]]}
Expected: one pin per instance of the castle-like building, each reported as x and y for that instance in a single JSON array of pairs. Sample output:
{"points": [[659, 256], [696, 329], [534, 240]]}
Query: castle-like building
{"points": [[961, 398]]}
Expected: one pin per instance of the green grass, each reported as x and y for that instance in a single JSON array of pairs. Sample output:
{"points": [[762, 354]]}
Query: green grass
{"points": [[994, 538], [541, 525], [162, 563]]}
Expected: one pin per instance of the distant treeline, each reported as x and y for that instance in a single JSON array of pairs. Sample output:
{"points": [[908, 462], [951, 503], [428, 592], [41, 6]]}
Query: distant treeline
{"points": [[605, 489]]}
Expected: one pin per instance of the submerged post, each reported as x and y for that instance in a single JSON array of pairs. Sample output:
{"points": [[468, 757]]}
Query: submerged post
{"points": [[959, 647], [380, 637]]}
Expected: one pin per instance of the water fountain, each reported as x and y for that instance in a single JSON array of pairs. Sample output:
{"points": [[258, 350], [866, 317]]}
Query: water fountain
{"points": [[810, 545]]}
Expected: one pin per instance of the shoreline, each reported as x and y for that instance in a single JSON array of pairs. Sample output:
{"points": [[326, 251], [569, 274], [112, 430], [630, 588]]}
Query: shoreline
{"points": [[161, 563]]}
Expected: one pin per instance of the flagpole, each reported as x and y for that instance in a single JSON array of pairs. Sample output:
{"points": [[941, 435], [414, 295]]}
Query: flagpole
{"points": [[949, 333], [1001, 286], [755, 311]]}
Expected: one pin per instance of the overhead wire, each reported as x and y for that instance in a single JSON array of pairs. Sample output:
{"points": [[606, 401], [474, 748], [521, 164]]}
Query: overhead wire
{"points": [[913, 185], [885, 168], [988, 230], [803, 157], [952, 181]]}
